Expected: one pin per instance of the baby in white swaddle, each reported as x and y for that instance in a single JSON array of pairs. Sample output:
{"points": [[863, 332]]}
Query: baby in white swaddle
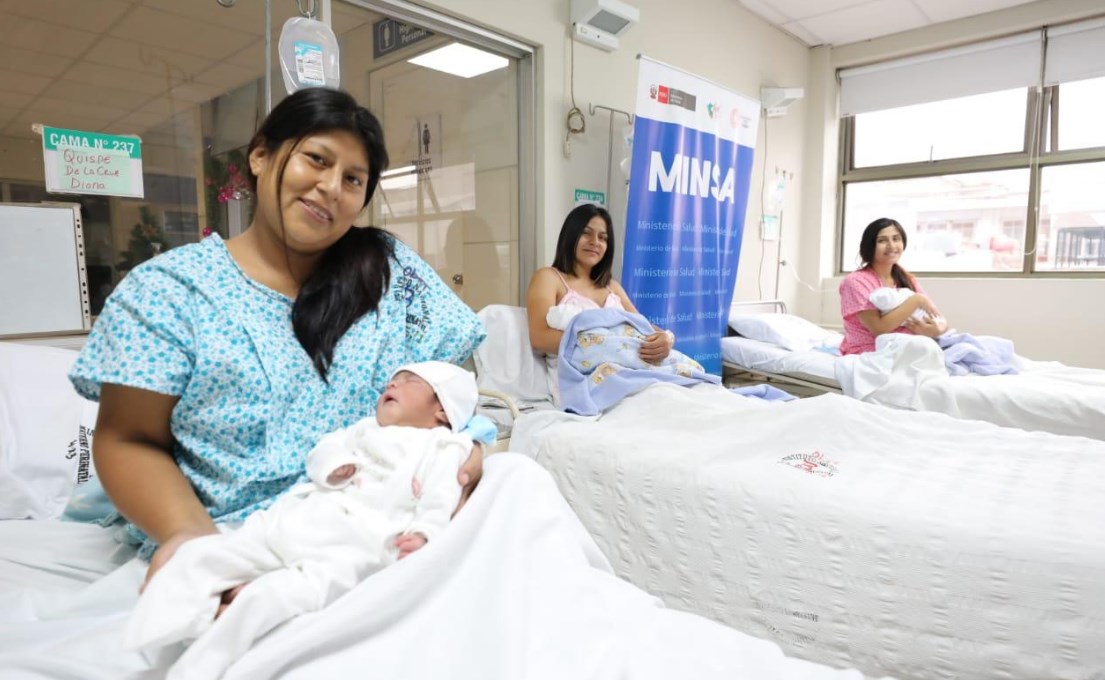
{"points": [[887, 299], [379, 489]]}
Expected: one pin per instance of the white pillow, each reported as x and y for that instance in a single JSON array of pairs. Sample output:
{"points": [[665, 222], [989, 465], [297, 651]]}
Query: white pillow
{"points": [[44, 453], [784, 330], [505, 361]]}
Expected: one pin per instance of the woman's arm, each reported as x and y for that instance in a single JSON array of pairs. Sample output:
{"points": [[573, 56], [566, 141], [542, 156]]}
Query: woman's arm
{"points": [[878, 324], [132, 452], [540, 298]]}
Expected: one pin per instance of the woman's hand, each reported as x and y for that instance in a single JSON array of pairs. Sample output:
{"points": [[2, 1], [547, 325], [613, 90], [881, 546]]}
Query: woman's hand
{"points": [[923, 303], [168, 548], [929, 327], [469, 475], [656, 347]]}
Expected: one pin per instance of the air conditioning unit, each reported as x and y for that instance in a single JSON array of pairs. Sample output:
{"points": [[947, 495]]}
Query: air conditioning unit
{"points": [[601, 22]]}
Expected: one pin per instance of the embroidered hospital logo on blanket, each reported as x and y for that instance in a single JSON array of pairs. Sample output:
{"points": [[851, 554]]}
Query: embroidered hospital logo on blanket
{"points": [[814, 463]]}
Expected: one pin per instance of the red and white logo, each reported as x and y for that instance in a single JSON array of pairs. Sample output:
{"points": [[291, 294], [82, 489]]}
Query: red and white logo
{"points": [[811, 463]]}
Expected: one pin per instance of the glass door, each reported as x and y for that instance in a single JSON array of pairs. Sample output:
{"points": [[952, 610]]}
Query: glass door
{"points": [[452, 189]]}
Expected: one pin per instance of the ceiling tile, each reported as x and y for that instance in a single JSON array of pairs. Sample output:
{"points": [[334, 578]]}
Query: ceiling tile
{"points": [[251, 56], [17, 100], [80, 94], [767, 10], [799, 31], [53, 105], [97, 16], [947, 10], [347, 18], [227, 76], [136, 122], [154, 61], [107, 76], [802, 9], [23, 83], [195, 93], [20, 128], [866, 21], [182, 34], [247, 16], [35, 63], [37, 35]]}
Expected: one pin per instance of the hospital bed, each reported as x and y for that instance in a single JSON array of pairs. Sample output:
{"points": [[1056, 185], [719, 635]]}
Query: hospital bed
{"points": [[913, 544], [770, 345], [531, 604], [806, 371]]}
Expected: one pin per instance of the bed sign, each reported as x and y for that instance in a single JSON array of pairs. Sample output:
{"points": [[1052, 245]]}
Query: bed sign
{"points": [[79, 162], [583, 196]]}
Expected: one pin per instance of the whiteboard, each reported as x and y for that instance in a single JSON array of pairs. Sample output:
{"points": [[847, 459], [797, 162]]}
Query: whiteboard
{"points": [[43, 284]]}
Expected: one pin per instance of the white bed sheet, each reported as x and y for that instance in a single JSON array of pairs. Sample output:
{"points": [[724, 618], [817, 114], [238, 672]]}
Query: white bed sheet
{"points": [[1045, 396], [769, 358], [851, 534], [515, 589], [908, 372]]}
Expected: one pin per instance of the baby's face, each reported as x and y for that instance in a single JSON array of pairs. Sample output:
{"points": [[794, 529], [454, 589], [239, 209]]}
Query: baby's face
{"points": [[409, 401]]}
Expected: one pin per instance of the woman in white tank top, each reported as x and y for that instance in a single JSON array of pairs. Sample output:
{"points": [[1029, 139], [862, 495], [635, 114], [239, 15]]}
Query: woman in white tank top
{"points": [[580, 279]]}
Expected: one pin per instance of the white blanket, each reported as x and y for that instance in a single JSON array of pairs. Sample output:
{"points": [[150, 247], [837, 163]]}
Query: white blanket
{"points": [[851, 534], [515, 588], [908, 372]]}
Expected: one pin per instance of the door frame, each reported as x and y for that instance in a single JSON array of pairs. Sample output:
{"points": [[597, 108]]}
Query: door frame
{"points": [[444, 24]]}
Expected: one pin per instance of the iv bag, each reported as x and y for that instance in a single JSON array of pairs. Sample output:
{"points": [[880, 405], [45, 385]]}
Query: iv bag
{"points": [[308, 55]]}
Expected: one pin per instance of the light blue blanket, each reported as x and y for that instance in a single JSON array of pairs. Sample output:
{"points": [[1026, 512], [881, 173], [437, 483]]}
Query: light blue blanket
{"points": [[599, 363], [982, 355]]}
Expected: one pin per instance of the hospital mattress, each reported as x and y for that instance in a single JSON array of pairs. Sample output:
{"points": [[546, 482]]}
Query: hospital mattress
{"points": [[812, 365], [911, 544]]}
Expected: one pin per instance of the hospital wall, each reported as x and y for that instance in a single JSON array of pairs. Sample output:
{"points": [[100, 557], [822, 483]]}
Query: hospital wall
{"points": [[719, 41], [1048, 318]]}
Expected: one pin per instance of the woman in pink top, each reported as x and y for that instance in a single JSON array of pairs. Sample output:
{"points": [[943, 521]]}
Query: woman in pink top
{"points": [[880, 248], [578, 279]]}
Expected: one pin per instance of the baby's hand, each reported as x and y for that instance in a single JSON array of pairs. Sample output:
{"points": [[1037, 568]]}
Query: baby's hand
{"points": [[408, 543], [341, 474]]}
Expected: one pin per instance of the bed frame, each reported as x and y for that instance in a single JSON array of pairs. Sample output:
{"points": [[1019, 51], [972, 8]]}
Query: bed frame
{"points": [[798, 384]]}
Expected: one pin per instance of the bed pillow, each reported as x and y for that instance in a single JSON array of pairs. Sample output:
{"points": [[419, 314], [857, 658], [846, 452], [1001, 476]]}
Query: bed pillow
{"points": [[46, 432], [505, 361], [784, 330]]}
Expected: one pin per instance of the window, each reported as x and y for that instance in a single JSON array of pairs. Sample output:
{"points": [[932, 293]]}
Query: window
{"points": [[988, 170]]}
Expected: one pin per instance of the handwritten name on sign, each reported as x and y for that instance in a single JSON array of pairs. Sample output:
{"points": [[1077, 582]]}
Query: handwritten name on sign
{"points": [[92, 163]]}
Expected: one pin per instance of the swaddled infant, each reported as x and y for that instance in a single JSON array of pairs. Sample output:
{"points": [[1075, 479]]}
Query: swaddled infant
{"points": [[888, 299]]}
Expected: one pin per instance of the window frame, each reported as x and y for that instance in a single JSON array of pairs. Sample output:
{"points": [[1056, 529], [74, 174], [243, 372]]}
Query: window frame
{"points": [[1039, 130]]}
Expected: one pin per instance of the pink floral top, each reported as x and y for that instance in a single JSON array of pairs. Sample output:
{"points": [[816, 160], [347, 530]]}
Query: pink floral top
{"points": [[855, 291]]}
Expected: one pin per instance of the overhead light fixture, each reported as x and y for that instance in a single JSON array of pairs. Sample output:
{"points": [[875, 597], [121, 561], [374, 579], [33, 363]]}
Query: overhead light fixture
{"points": [[460, 60]]}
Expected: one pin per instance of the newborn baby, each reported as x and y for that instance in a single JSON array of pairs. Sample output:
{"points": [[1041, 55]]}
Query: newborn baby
{"points": [[888, 299]]}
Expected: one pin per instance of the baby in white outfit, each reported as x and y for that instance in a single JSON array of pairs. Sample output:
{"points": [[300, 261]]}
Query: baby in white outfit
{"points": [[379, 489], [888, 299]]}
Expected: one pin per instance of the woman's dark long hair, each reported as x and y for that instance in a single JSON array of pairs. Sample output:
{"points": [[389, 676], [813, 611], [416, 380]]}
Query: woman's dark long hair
{"points": [[867, 244], [570, 233], [354, 272]]}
